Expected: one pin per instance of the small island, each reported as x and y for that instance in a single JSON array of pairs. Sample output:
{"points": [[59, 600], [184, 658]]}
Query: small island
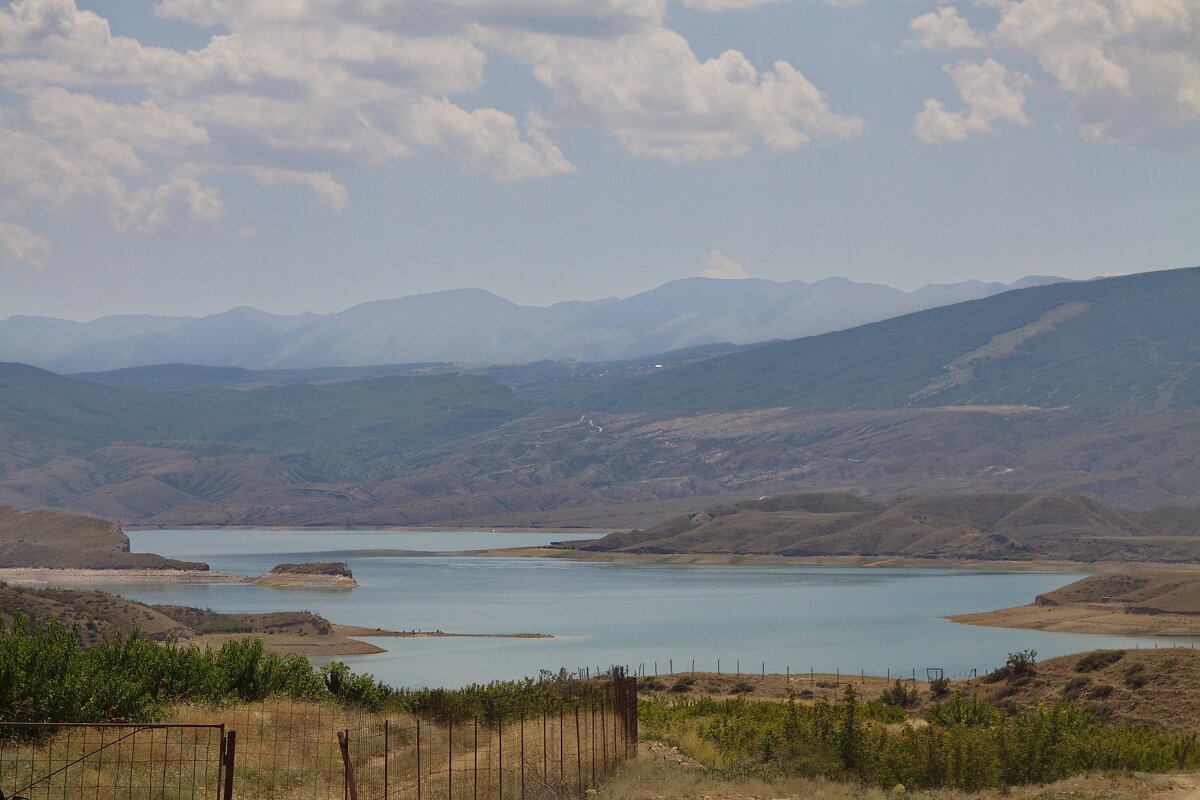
{"points": [[311, 575]]}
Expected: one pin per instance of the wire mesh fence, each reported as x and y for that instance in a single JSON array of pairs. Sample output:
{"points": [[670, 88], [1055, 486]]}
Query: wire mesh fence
{"points": [[62, 761], [303, 751]]}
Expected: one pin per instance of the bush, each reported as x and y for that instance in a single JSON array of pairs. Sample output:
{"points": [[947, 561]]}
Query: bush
{"points": [[899, 696], [971, 744], [961, 710], [683, 684], [1075, 687], [741, 687], [223, 626], [1098, 660], [1018, 670], [939, 687]]}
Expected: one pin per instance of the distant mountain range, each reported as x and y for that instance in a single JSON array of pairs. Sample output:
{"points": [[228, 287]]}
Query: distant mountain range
{"points": [[1091, 388], [476, 326], [1131, 342]]}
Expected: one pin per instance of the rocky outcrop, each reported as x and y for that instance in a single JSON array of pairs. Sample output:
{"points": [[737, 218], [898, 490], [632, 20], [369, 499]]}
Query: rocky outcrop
{"points": [[331, 574], [54, 540]]}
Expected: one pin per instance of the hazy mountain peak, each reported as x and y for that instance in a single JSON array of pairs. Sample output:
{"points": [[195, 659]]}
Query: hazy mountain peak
{"points": [[475, 325]]}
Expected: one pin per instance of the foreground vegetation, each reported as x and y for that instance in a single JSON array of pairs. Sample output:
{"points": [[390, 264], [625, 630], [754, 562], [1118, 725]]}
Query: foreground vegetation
{"points": [[655, 779], [46, 675], [963, 743]]}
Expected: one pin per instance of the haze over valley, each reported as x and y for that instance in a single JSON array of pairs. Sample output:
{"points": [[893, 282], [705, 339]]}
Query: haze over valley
{"points": [[995, 394], [473, 325]]}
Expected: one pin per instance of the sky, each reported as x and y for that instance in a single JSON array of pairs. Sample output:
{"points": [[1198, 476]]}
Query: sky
{"points": [[189, 156]]}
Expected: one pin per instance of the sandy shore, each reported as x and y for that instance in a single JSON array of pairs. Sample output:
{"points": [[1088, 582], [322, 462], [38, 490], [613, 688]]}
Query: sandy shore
{"points": [[813, 561], [112, 577], [312, 645], [342, 641], [1086, 618], [355, 630]]}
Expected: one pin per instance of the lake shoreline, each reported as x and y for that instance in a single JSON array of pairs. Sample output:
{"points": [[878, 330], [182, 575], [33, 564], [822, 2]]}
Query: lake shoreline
{"points": [[873, 562], [295, 528], [1086, 618]]}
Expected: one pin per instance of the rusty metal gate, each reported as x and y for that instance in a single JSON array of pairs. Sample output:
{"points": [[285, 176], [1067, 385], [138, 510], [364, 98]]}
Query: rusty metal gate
{"points": [[304, 751], [122, 761]]}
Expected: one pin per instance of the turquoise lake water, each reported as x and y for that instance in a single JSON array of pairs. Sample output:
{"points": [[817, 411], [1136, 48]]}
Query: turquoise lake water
{"points": [[600, 614]]}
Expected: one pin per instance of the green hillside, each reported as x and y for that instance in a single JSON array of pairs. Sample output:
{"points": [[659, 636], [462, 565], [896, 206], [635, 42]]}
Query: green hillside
{"points": [[1131, 342], [336, 430], [978, 526]]}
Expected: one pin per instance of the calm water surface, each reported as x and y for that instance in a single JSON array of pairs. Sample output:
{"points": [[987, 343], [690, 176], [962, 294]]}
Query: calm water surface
{"points": [[788, 616]]}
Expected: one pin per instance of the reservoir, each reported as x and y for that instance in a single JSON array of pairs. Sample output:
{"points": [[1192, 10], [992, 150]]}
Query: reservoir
{"points": [[599, 614]]}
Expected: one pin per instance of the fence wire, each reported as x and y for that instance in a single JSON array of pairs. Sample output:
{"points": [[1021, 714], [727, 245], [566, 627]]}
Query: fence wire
{"points": [[301, 751], [118, 761]]}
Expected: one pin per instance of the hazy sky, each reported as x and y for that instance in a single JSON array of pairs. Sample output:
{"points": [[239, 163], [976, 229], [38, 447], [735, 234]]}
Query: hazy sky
{"points": [[186, 156]]}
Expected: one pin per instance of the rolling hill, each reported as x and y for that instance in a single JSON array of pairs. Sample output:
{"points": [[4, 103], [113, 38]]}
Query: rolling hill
{"points": [[1131, 342], [324, 432], [72, 541], [945, 400], [988, 526]]}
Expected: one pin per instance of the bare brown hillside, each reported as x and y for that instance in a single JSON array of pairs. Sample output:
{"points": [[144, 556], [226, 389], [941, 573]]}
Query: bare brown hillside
{"points": [[978, 526], [556, 468], [1155, 688], [72, 541], [95, 614]]}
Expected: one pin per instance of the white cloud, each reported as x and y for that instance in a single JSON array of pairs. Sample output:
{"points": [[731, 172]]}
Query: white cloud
{"points": [[486, 141], [22, 244], [1130, 69], [990, 91], [179, 207], [943, 29], [723, 267], [724, 5], [322, 184], [651, 92], [292, 92]]}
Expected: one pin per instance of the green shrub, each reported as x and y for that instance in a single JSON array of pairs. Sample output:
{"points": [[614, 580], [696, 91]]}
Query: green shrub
{"points": [[741, 687], [683, 684], [939, 687], [899, 696], [970, 745], [47, 676], [220, 625], [1098, 660], [961, 710], [1018, 670]]}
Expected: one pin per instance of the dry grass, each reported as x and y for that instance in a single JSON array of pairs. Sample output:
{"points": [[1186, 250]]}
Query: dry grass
{"points": [[289, 750], [756, 686], [1156, 688], [651, 778]]}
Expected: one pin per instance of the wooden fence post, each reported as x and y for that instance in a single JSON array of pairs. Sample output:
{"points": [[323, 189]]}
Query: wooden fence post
{"points": [[347, 763], [230, 755]]}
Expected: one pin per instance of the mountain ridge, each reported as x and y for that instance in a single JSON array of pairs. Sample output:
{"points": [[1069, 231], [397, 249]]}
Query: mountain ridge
{"points": [[477, 326], [1043, 346]]}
